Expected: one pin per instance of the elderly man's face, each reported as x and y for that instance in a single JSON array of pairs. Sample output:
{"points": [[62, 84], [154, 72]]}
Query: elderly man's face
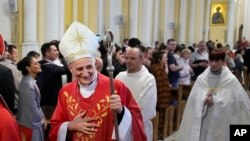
{"points": [[83, 69]]}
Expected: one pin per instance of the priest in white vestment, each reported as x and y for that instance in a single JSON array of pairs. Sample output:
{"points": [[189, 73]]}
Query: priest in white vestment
{"points": [[217, 100], [142, 85]]}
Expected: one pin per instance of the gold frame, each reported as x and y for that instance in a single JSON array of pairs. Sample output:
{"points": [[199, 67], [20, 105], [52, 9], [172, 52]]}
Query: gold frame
{"points": [[216, 19]]}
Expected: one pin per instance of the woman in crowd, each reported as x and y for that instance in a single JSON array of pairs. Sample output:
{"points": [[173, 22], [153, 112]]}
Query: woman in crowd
{"points": [[157, 67], [30, 116], [187, 71]]}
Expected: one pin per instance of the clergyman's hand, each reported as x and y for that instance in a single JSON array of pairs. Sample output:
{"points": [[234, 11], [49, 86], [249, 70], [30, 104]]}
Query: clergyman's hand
{"points": [[209, 100], [115, 103], [84, 124]]}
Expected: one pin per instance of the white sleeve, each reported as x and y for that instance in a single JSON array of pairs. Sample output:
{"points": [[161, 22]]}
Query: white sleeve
{"points": [[148, 103], [124, 129], [62, 132]]}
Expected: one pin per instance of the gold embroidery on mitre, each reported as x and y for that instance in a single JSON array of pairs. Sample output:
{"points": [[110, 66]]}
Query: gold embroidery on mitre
{"points": [[78, 39], [100, 111]]}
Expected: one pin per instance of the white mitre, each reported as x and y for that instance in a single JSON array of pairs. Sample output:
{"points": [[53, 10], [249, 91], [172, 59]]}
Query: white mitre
{"points": [[78, 42]]}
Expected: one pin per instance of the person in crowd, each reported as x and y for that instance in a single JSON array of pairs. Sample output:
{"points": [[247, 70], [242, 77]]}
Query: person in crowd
{"points": [[9, 130], [134, 42], [118, 61], [34, 54], [30, 116], [9, 61], [217, 100], [104, 56], [49, 81], [174, 69], [246, 57], [13, 53], [199, 60], [148, 56], [7, 86], [238, 67], [187, 71], [142, 85], [99, 64], [158, 67], [85, 106]]}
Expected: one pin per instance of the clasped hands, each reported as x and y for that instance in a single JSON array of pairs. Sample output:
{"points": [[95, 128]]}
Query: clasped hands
{"points": [[89, 125], [209, 100]]}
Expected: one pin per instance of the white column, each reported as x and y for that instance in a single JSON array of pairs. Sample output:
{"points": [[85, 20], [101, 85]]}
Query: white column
{"points": [[169, 23], [200, 15], [61, 19], [133, 18], [30, 27], [5, 23], [230, 25], [147, 22], [51, 20], [101, 26], [182, 24], [246, 27], [206, 24], [115, 12], [156, 21], [191, 22]]}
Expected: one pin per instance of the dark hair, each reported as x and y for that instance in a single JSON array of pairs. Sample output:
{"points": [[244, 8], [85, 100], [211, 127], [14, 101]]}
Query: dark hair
{"points": [[125, 40], [33, 53], [147, 49], [217, 54], [170, 40], [219, 45], [45, 48], [21, 65], [117, 48], [103, 50], [10, 48], [6, 45], [134, 42], [162, 47], [157, 56]]}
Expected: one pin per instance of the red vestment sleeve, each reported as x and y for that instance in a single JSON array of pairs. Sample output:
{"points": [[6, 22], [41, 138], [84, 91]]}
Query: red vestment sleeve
{"points": [[9, 130], [129, 102]]}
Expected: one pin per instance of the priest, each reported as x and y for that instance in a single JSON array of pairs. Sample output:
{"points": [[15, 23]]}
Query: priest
{"points": [[85, 106], [217, 100]]}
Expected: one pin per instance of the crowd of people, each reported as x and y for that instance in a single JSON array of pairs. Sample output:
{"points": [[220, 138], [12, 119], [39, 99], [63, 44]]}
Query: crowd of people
{"points": [[67, 95]]}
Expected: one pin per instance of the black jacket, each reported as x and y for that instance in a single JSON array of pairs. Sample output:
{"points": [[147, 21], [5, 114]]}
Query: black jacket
{"points": [[7, 87], [49, 82]]}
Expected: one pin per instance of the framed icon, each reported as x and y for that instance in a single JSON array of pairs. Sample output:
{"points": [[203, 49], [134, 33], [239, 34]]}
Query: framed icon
{"points": [[218, 15]]}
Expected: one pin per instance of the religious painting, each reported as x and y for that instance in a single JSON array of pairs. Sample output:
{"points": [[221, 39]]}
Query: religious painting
{"points": [[218, 13]]}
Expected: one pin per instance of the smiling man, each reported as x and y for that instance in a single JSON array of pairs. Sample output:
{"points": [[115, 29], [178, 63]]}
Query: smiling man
{"points": [[85, 107]]}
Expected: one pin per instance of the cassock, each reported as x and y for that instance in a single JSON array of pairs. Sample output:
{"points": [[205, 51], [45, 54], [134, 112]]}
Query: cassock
{"points": [[9, 130], [231, 105], [143, 88], [71, 103]]}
